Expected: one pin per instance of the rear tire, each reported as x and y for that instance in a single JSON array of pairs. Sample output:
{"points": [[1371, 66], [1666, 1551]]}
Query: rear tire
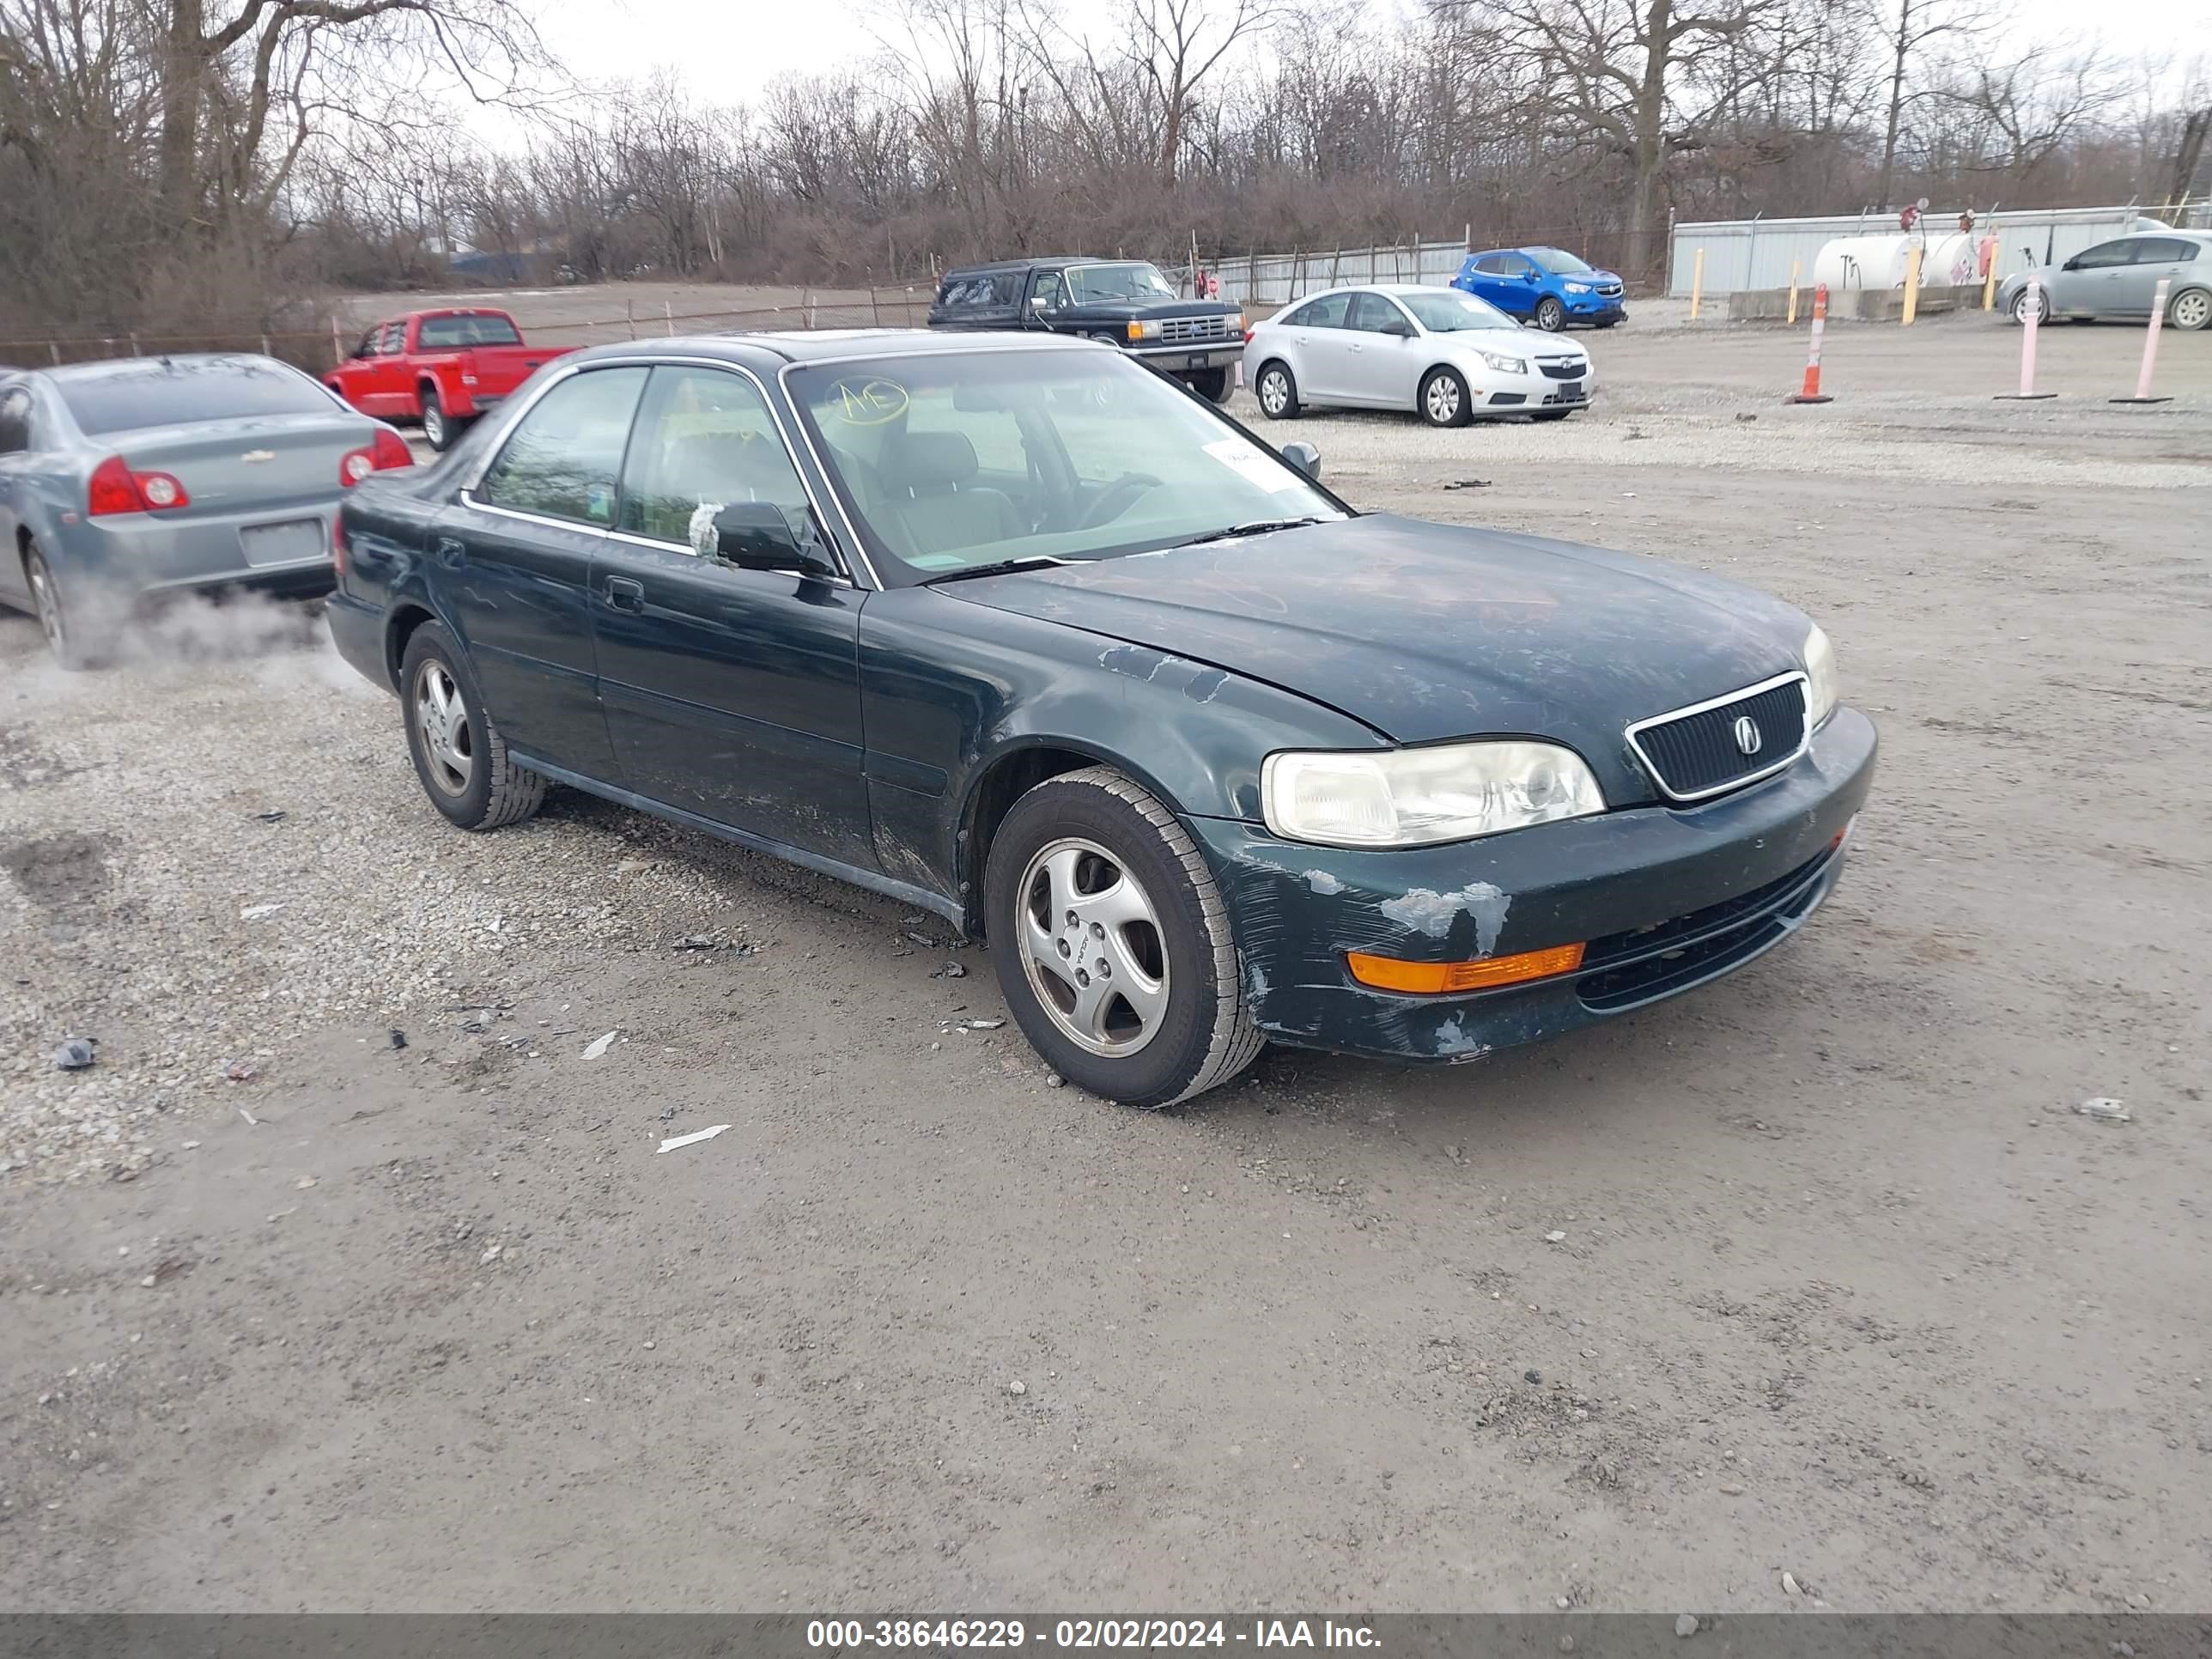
{"points": [[1277, 389], [1551, 315], [58, 615], [458, 754], [2190, 310], [1091, 877], [439, 428], [1445, 400]]}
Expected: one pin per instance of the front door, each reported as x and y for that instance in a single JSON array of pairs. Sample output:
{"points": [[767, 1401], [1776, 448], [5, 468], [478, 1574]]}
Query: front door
{"points": [[731, 694], [510, 563], [1385, 365], [2088, 281]]}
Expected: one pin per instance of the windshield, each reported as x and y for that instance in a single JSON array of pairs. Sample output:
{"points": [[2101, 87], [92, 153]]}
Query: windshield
{"points": [[1556, 260], [951, 461], [186, 390], [1087, 284], [1440, 311], [447, 333]]}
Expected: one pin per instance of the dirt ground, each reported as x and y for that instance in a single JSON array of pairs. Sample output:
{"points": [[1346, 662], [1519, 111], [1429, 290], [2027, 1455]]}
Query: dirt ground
{"points": [[1816, 1271]]}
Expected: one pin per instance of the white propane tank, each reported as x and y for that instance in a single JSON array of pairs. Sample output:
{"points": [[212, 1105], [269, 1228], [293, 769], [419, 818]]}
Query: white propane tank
{"points": [[1879, 262]]}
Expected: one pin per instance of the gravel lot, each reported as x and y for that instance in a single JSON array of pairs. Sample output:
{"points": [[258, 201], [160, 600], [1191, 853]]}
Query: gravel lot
{"points": [[1846, 1288]]}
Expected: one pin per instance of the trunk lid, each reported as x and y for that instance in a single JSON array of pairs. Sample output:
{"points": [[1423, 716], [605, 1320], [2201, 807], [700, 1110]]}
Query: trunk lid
{"points": [[250, 465]]}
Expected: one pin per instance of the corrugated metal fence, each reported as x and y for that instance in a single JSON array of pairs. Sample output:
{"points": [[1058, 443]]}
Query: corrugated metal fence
{"points": [[1275, 279], [1757, 253]]}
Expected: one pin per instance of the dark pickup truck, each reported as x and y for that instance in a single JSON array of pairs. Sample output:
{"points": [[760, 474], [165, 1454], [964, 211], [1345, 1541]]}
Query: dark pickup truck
{"points": [[1199, 342]]}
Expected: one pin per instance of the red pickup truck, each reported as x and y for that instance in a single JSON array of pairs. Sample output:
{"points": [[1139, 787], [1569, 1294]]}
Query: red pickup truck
{"points": [[442, 368]]}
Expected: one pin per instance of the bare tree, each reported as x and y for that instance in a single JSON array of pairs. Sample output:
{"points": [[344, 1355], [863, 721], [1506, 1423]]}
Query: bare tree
{"points": [[1915, 26]]}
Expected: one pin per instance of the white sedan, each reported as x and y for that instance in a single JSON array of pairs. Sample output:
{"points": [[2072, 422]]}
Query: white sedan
{"points": [[1448, 355]]}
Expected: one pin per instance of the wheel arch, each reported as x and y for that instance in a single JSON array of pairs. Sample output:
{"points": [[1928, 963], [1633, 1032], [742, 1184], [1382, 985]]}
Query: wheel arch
{"points": [[1016, 768], [407, 615]]}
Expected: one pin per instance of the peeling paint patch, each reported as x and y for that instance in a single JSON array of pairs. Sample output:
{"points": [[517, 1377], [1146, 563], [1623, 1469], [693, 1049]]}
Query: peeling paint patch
{"points": [[1323, 883], [1138, 662], [1205, 684], [1433, 912]]}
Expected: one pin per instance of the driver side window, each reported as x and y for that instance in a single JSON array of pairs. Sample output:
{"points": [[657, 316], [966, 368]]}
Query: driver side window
{"points": [[1044, 291], [2105, 254], [705, 439]]}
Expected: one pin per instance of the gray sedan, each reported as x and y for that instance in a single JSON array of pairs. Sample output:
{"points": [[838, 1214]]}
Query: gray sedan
{"points": [[2118, 280], [126, 481]]}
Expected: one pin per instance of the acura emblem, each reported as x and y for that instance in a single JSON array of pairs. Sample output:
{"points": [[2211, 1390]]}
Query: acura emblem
{"points": [[1748, 738], [260, 455]]}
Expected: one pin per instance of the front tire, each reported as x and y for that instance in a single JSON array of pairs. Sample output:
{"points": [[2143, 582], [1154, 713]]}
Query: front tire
{"points": [[1445, 400], [458, 754], [1214, 385], [1551, 315], [1112, 944], [1277, 389], [2021, 307], [2190, 310]]}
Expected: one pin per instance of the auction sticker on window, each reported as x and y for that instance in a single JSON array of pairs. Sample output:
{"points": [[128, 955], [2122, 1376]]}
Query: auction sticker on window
{"points": [[1247, 459]]}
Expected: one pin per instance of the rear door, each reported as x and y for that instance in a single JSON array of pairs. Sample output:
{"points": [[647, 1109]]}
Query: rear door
{"points": [[16, 424], [511, 566], [2157, 258], [1320, 348], [731, 694]]}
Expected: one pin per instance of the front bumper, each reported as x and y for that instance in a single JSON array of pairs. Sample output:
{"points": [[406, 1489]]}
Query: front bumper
{"points": [[1180, 359], [1665, 899], [1593, 307], [1529, 391]]}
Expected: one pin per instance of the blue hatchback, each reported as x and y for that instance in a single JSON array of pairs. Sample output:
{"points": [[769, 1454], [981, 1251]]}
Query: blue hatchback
{"points": [[1547, 286]]}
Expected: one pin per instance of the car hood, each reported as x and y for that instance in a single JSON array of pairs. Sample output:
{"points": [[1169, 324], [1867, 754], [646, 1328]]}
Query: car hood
{"points": [[1125, 310], [1425, 631]]}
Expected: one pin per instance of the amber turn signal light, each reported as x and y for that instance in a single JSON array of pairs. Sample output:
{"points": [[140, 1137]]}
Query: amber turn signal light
{"points": [[1434, 978]]}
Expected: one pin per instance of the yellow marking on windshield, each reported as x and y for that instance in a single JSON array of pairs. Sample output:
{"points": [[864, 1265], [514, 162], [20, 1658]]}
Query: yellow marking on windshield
{"points": [[869, 403]]}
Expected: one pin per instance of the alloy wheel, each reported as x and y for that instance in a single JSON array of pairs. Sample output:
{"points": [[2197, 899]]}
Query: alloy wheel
{"points": [[2192, 310], [1442, 399], [442, 721], [1092, 948], [49, 607]]}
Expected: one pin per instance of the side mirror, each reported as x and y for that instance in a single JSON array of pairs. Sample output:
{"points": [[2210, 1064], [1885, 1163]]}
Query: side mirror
{"points": [[2074, 263], [1399, 327], [1305, 457], [1040, 303], [755, 536], [1528, 275]]}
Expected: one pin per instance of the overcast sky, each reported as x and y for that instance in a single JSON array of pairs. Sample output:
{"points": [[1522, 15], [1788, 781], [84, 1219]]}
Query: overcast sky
{"points": [[725, 51]]}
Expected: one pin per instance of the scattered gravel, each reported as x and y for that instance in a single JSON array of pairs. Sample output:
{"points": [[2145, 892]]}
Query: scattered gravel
{"points": [[220, 848]]}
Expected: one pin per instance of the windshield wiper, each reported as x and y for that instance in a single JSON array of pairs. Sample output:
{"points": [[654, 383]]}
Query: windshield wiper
{"points": [[1257, 528], [1036, 562]]}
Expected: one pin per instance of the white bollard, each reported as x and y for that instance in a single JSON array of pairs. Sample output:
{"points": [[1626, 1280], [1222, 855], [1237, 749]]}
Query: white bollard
{"points": [[2150, 349], [2030, 318]]}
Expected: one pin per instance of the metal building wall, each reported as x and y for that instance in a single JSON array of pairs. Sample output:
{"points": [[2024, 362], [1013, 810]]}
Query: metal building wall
{"points": [[1756, 253]]}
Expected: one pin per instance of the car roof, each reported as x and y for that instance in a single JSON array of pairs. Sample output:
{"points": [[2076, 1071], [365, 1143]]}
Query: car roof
{"points": [[129, 369], [771, 350], [1029, 263]]}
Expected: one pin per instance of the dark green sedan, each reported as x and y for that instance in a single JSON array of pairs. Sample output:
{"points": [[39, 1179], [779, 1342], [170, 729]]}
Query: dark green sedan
{"points": [[1023, 633]]}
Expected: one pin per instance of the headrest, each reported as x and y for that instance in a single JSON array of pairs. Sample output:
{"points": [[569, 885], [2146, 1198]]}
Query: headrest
{"points": [[930, 460]]}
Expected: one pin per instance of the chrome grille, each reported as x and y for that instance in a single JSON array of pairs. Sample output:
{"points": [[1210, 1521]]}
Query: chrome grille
{"points": [[1695, 752], [1181, 331]]}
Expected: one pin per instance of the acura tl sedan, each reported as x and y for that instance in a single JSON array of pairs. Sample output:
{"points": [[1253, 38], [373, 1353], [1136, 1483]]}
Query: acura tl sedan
{"points": [[141, 479], [1018, 632], [1447, 356]]}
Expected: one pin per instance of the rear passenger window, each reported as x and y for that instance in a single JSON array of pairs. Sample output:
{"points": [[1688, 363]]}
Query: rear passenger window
{"points": [[564, 459], [1327, 312], [14, 421], [2164, 251], [1493, 264]]}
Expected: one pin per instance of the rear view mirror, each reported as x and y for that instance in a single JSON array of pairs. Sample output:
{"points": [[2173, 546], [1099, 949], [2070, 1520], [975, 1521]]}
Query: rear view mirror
{"points": [[755, 536], [1305, 457]]}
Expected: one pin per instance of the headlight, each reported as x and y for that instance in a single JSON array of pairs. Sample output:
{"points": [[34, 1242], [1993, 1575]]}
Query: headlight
{"points": [[1417, 797], [1821, 689], [1143, 331], [1577, 287], [1504, 365]]}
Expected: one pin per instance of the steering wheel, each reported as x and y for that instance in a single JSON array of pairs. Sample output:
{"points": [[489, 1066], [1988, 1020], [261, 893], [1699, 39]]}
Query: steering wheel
{"points": [[1118, 498]]}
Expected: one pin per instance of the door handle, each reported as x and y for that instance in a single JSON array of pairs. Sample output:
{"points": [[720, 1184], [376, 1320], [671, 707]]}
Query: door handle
{"points": [[451, 554], [623, 594]]}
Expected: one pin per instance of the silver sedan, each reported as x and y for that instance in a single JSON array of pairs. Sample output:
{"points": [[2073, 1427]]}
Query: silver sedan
{"points": [[2118, 280], [124, 481], [1447, 356]]}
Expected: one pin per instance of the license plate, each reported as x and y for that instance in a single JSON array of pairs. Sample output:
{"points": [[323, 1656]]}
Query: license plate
{"points": [[1197, 361], [289, 543], [1571, 392]]}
